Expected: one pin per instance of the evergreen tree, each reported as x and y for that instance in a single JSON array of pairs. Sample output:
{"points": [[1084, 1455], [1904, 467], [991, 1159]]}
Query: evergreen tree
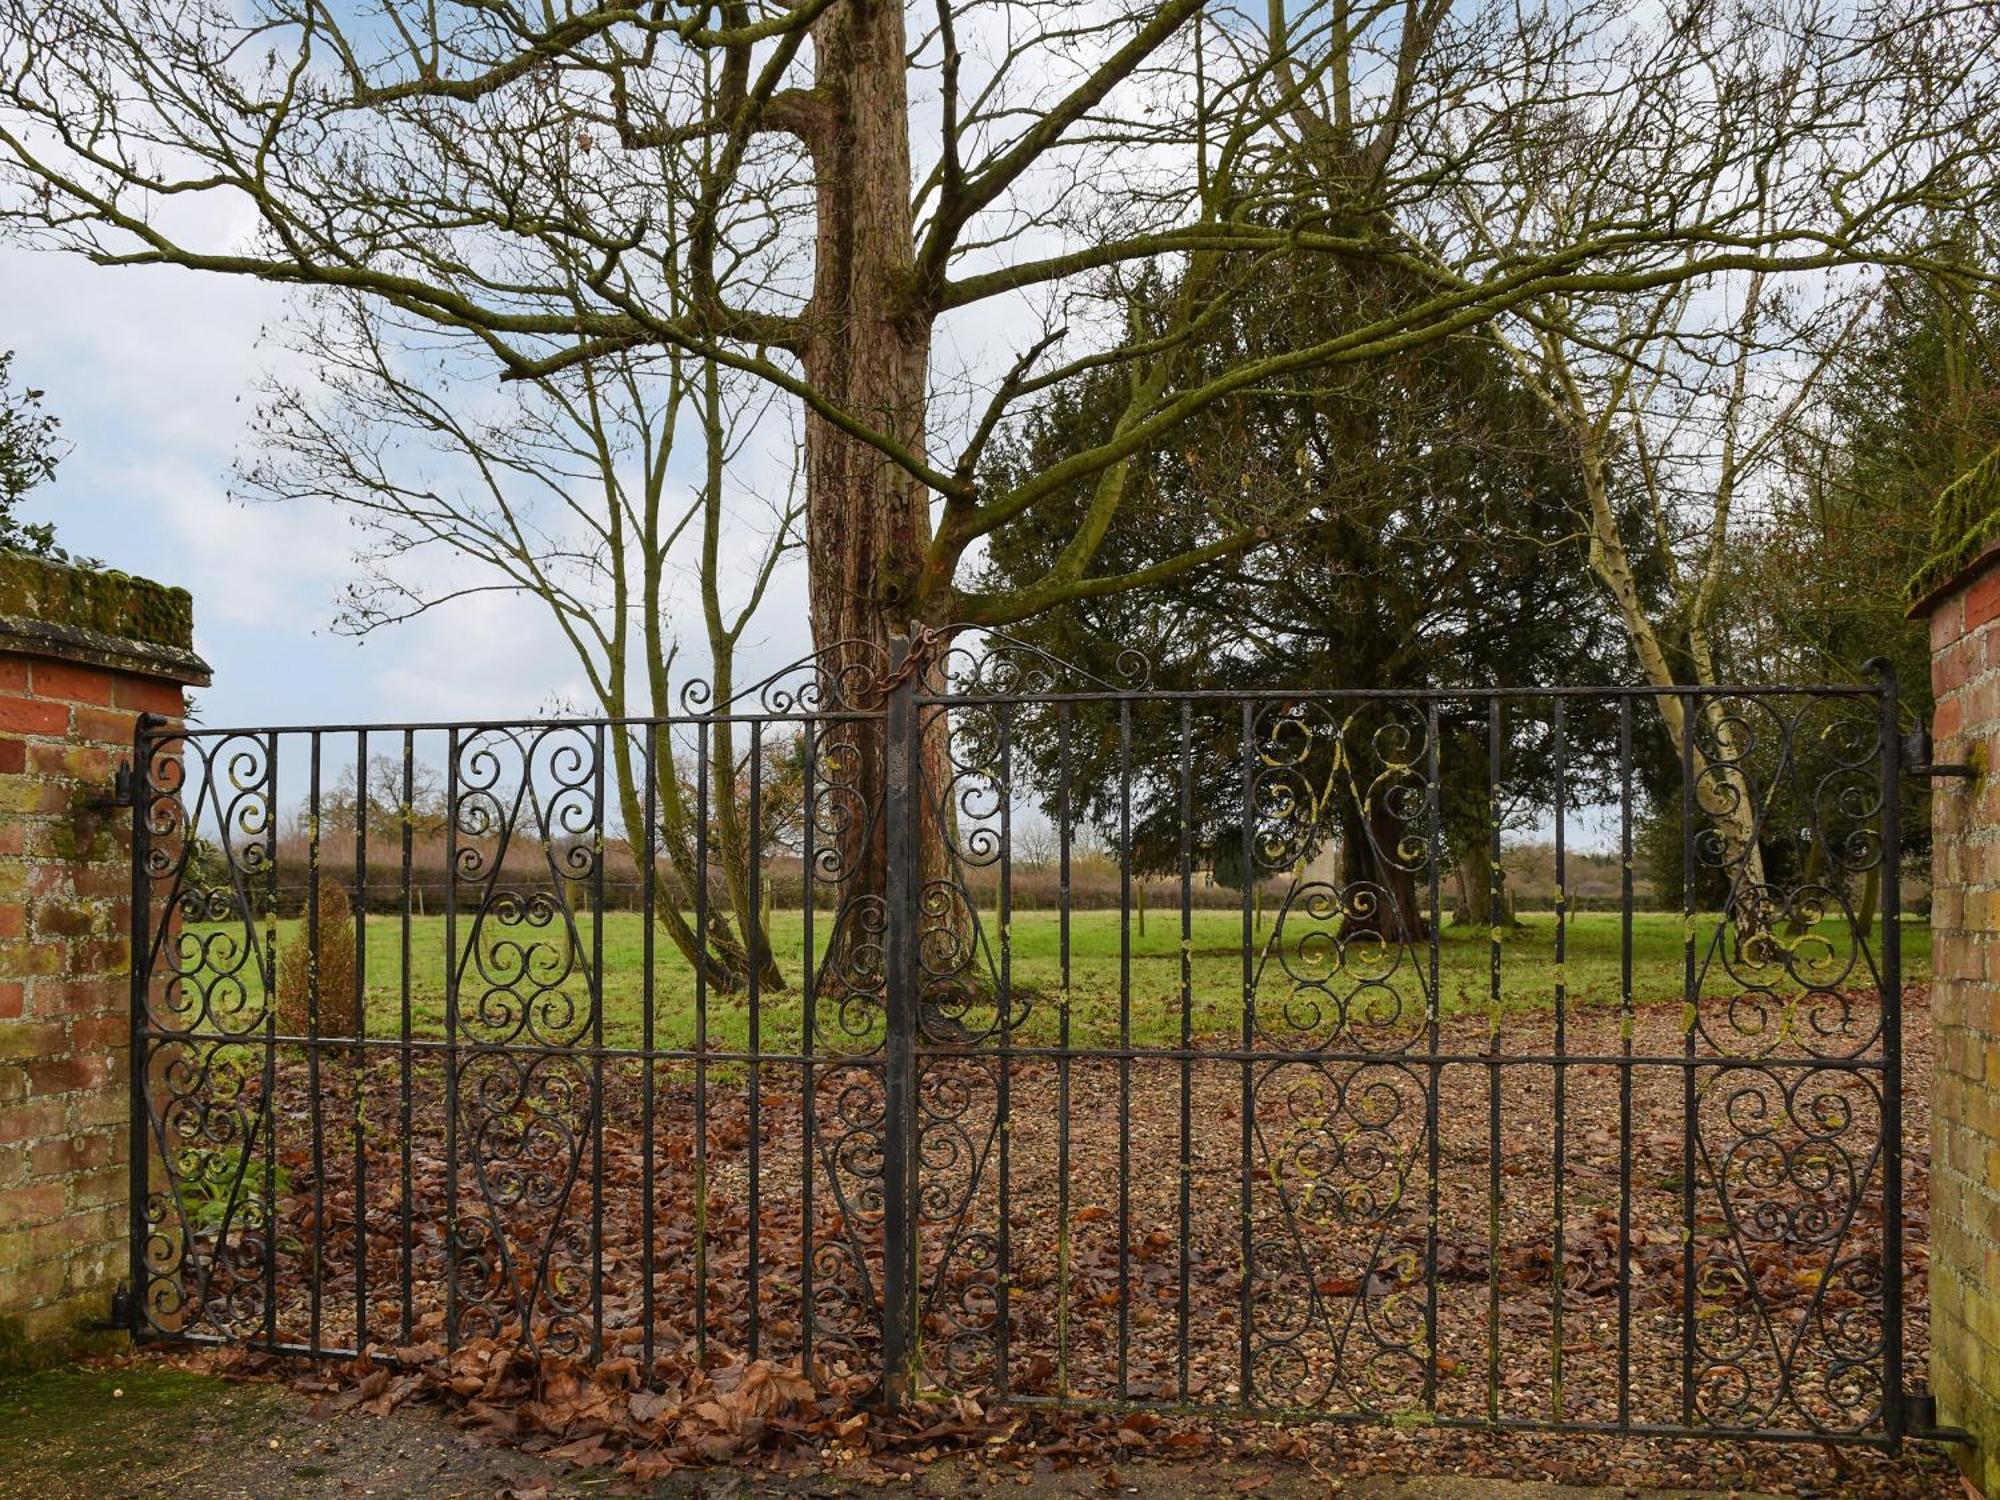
{"points": [[1435, 491], [30, 449]]}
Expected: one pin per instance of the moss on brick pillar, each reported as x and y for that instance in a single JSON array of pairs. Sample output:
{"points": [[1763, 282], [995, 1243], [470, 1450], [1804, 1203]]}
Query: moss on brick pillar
{"points": [[1965, 522], [82, 655], [1959, 591]]}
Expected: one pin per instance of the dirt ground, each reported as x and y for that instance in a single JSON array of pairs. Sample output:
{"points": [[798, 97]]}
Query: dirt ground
{"points": [[133, 1428]]}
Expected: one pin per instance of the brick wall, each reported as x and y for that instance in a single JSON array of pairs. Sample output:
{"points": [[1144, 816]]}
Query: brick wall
{"points": [[1965, 1004], [81, 657]]}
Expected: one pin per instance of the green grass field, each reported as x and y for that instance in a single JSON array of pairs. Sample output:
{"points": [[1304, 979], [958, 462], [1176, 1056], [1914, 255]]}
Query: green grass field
{"points": [[1101, 1007]]}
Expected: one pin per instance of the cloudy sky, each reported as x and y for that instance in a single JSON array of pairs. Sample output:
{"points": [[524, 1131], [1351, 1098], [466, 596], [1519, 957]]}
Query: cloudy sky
{"points": [[152, 372]]}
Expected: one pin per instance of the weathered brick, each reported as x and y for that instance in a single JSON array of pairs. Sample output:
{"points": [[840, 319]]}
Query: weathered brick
{"points": [[1947, 721], [61, 919], [107, 1106], [93, 765], [98, 1187], [1951, 669], [102, 1033], [103, 882], [62, 1075], [60, 995], [20, 714], [104, 726], [70, 682], [31, 1119], [1947, 624], [31, 795], [67, 1310], [34, 1203], [28, 1040], [1947, 907], [149, 695], [75, 1153], [101, 1226], [40, 958], [99, 955], [1982, 600]]}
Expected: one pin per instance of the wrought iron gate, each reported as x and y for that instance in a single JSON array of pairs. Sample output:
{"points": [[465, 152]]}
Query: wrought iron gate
{"points": [[1285, 1143]]}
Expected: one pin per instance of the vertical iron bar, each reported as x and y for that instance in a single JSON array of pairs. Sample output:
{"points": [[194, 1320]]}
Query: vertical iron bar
{"points": [[1689, 1004], [1894, 1413], [1003, 1105], [648, 1039], [1247, 1104], [702, 731], [1496, 914], [901, 802], [597, 1045], [1062, 1054], [809, 978], [1124, 1048], [451, 1040], [1625, 1029], [360, 1037], [1433, 1016], [1187, 1034], [139, 1156], [313, 1115], [404, 1050], [270, 977], [1560, 1160], [753, 925]]}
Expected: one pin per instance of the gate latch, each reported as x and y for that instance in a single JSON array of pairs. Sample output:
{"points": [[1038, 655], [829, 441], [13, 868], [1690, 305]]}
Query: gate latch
{"points": [[1917, 758]]}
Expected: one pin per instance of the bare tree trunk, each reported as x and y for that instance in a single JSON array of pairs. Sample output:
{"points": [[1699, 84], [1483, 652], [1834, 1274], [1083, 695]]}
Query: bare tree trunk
{"points": [[867, 347], [1475, 889], [1367, 850], [867, 350], [1720, 791]]}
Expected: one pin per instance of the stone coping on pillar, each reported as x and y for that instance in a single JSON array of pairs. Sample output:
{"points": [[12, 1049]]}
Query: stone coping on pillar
{"points": [[1956, 583], [98, 618], [1965, 532]]}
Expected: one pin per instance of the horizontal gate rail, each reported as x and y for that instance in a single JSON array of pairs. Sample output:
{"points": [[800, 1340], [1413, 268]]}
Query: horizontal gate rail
{"points": [[829, 1025]]}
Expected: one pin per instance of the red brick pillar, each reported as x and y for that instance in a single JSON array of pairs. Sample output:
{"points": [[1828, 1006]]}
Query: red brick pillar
{"points": [[82, 655], [1961, 595]]}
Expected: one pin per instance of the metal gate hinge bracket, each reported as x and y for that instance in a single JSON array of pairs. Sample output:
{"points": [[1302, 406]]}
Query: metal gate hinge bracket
{"points": [[124, 791], [119, 1319], [1917, 758]]}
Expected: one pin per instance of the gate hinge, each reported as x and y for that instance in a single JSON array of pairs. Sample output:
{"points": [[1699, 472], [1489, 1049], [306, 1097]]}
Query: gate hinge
{"points": [[1917, 757], [119, 1319], [124, 791], [1920, 1411], [1920, 1419]]}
